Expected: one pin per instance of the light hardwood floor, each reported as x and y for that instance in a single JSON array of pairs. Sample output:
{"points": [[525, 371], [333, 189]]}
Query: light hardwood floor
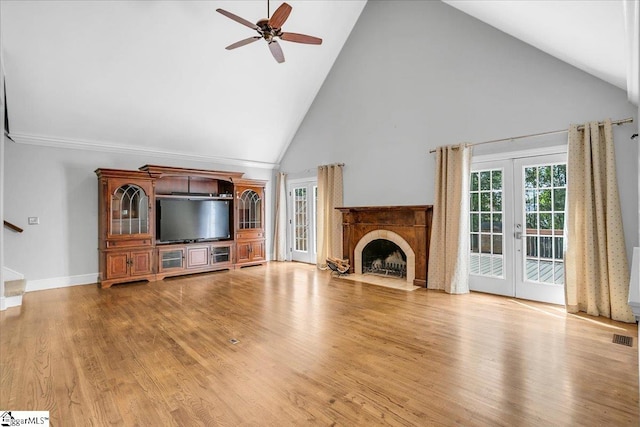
{"points": [[312, 350]]}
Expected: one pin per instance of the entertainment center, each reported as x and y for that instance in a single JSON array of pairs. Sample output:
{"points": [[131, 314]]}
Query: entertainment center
{"points": [[162, 221]]}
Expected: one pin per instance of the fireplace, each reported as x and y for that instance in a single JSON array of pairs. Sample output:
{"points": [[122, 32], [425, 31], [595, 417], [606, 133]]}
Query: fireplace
{"points": [[388, 240], [384, 258]]}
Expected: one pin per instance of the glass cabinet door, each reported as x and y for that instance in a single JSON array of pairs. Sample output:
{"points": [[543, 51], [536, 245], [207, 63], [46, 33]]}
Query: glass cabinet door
{"points": [[250, 210], [129, 211]]}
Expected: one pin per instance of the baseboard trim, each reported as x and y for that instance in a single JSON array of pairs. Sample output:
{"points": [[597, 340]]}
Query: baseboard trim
{"points": [[8, 302], [61, 282], [9, 274]]}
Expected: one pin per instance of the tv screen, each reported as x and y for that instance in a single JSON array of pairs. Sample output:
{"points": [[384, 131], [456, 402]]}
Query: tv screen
{"points": [[180, 220]]}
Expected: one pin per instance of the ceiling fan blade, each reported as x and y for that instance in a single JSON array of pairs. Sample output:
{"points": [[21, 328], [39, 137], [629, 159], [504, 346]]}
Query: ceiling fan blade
{"points": [[300, 38], [243, 42], [276, 51], [280, 15], [238, 19]]}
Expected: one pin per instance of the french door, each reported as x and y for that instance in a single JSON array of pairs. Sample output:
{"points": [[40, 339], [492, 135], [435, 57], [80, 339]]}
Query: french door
{"points": [[517, 239], [303, 197]]}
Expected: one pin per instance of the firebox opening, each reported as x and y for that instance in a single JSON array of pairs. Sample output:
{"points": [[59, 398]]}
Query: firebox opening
{"points": [[384, 257]]}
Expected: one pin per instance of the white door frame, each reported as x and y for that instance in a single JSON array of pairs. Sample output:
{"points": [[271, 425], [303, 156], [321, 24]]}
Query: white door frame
{"points": [[513, 280], [494, 284], [310, 255], [524, 288]]}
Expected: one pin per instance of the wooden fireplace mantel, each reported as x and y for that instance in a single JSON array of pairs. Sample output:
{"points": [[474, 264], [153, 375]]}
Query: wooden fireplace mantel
{"points": [[412, 223]]}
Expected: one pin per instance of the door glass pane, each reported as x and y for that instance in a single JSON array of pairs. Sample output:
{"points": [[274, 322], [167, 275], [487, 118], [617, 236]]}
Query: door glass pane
{"points": [[250, 210], [544, 206], [300, 226], [129, 210], [485, 220]]}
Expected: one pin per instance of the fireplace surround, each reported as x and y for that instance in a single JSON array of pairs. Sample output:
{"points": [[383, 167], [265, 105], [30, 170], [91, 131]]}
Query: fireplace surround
{"points": [[409, 227]]}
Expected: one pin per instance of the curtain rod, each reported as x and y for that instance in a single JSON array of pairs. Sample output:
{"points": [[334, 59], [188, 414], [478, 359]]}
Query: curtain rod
{"points": [[553, 132], [313, 169]]}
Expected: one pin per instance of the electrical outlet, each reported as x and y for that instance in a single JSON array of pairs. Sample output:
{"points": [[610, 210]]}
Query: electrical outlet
{"points": [[33, 220]]}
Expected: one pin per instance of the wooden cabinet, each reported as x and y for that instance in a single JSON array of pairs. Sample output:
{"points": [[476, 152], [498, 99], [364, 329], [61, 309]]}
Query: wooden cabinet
{"points": [[176, 260], [250, 252], [135, 212], [125, 218], [128, 264], [171, 259], [249, 222], [197, 256]]}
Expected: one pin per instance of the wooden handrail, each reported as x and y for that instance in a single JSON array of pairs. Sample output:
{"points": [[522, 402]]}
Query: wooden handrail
{"points": [[13, 227]]}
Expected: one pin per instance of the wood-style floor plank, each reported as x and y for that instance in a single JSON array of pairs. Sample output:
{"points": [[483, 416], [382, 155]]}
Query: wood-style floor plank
{"points": [[312, 349]]}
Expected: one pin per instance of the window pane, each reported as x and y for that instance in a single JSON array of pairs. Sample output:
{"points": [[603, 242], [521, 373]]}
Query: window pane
{"points": [[474, 181], [532, 246], [546, 247], [532, 221], [558, 247], [475, 264], [485, 243], [497, 244], [485, 222], [474, 203], [544, 198], [530, 178], [496, 180], [475, 245], [544, 176], [558, 221], [560, 175], [475, 222], [530, 201], [485, 202], [497, 201], [497, 223], [532, 269], [545, 221], [558, 199], [485, 180]]}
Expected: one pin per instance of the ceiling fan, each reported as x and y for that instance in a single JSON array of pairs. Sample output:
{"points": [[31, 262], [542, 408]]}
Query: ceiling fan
{"points": [[270, 29]]}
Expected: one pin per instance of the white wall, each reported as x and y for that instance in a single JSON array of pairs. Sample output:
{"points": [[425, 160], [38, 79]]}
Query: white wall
{"points": [[60, 187], [418, 74]]}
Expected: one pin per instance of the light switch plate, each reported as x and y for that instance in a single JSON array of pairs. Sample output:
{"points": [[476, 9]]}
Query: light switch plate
{"points": [[34, 220]]}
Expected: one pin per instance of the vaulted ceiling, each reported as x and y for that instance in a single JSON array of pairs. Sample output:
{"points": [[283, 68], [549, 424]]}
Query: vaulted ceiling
{"points": [[154, 77]]}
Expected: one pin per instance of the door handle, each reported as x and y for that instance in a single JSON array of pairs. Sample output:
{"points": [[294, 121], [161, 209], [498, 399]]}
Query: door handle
{"points": [[518, 235]]}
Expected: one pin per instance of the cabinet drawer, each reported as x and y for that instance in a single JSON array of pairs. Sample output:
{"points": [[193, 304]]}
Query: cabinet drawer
{"points": [[253, 234], [128, 243]]}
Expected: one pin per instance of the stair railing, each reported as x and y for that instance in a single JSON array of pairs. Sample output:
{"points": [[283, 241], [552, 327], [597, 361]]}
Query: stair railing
{"points": [[13, 227]]}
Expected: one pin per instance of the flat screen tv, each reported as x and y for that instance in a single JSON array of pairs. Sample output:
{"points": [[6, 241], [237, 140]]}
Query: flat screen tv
{"points": [[186, 220]]}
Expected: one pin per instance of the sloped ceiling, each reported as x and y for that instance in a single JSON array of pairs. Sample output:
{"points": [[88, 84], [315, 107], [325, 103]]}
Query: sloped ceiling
{"points": [[589, 35], [153, 76]]}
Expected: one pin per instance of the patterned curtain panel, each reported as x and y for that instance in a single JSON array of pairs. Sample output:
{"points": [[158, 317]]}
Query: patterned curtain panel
{"points": [[596, 269], [329, 220], [449, 248], [280, 231]]}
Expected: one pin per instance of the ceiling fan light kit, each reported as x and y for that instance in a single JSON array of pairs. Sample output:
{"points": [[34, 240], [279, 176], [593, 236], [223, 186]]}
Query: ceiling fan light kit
{"points": [[270, 30]]}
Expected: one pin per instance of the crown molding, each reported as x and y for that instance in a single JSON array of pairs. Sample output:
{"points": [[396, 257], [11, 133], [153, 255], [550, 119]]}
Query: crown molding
{"points": [[119, 149]]}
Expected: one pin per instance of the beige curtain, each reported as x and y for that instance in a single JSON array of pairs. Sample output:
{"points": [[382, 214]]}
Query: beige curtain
{"points": [[280, 230], [449, 248], [329, 220], [596, 267]]}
